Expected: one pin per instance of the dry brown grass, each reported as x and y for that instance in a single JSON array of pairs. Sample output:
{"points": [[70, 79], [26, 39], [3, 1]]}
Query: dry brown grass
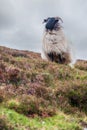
{"points": [[32, 86]]}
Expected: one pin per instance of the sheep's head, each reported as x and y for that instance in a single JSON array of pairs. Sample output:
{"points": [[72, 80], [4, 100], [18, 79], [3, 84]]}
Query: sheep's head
{"points": [[52, 23]]}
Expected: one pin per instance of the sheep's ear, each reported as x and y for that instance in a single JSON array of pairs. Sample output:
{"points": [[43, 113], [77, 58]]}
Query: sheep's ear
{"points": [[45, 20]]}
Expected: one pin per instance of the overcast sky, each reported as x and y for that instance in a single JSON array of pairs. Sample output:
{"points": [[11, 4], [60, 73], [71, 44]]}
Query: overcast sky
{"points": [[21, 23]]}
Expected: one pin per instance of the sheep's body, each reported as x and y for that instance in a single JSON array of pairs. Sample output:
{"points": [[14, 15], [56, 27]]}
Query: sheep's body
{"points": [[55, 43]]}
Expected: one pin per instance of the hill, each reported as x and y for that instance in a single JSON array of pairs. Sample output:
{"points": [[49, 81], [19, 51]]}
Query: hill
{"points": [[40, 95]]}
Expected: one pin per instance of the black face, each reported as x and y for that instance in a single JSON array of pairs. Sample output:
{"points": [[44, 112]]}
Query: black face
{"points": [[50, 23]]}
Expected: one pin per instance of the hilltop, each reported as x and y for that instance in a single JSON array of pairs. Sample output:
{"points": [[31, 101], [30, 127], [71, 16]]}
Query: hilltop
{"points": [[40, 95]]}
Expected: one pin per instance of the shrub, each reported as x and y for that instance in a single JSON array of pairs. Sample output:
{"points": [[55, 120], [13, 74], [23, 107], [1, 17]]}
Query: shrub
{"points": [[4, 125]]}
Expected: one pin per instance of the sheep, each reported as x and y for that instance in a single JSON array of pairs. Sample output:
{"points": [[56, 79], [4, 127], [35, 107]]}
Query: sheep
{"points": [[55, 45]]}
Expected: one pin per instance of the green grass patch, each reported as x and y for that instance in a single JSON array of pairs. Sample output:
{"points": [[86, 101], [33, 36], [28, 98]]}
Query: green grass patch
{"points": [[21, 122]]}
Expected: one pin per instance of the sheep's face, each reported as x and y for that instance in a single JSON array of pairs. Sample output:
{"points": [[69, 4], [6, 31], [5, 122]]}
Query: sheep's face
{"points": [[52, 23]]}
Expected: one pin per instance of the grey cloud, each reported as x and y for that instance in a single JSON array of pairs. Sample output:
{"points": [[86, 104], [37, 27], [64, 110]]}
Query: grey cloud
{"points": [[21, 22], [6, 14]]}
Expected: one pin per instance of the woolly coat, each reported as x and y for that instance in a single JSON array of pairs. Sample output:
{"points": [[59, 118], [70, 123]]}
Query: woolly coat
{"points": [[55, 43]]}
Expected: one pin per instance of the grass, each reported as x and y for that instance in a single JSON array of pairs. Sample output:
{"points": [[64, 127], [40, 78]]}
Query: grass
{"points": [[21, 122]]}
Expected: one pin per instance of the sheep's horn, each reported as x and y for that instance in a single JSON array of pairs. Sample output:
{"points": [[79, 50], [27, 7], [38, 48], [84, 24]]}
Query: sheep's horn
{"points": [[59, 19]]}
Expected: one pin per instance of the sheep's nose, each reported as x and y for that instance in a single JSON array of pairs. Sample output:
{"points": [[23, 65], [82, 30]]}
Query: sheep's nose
{"points": [[51, 23]]}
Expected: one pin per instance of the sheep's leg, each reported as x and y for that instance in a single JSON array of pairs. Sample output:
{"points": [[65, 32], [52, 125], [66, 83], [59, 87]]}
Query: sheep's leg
{"points": [[64, 58], [51, 56], [60, 60], [57, 58]]}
